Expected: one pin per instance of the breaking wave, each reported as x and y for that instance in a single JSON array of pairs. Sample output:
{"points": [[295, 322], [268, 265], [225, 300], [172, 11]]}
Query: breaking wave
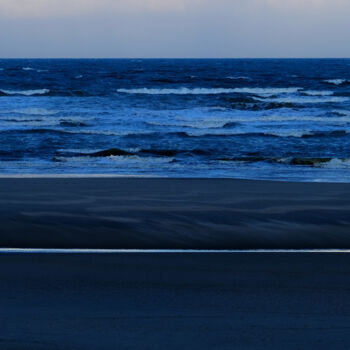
{"points": [[239, 78], [304, 99], [25, 92], [210, 91], [337, 81], [318, 93]]}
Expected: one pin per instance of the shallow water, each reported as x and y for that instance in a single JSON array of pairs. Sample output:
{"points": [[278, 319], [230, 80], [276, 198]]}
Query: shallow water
{"points": [[257, 119]]}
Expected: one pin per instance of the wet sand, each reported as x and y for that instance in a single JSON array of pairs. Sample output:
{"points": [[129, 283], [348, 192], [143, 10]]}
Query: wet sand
{"points": [[150, 213], [173, 301]]}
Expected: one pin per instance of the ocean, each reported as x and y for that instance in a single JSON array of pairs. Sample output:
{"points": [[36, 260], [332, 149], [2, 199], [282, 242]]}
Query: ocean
{"points": [[276, 119]]}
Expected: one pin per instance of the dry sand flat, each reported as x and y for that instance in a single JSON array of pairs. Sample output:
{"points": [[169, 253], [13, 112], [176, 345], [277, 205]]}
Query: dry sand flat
{"points": [[150, 213], [173, 301]]}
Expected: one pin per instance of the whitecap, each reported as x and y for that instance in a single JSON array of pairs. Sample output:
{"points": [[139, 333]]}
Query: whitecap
{"points": [[303, 99], [26, 92], [125, 160], [34, 111], [79, 77], [318, 93], [335, 163], [210, 91], [28, 68], [336, 81], [239, 78], [78, 150]]}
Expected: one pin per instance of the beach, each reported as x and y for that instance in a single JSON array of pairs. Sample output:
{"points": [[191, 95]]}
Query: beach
{"points": [[159, 288], [164, 213], [157, 301]]}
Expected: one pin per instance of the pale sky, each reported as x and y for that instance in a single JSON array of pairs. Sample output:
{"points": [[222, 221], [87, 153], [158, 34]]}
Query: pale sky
{"points": [[174, 28]]}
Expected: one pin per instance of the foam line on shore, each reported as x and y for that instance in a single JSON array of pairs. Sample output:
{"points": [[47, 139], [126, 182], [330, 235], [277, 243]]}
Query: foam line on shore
{"points": [[72, 176], [164, 251]]}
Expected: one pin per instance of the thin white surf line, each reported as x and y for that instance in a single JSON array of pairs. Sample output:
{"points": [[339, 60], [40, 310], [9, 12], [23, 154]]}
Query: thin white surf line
{"points": [[165, 251], [72, 176]]}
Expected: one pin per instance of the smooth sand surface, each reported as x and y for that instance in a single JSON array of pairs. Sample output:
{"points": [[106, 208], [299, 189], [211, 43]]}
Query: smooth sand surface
{"points": [[174, 301], [148, 213]]}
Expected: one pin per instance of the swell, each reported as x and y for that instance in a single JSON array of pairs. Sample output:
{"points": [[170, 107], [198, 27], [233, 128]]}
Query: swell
{"points": [[117, 152], [181, 134]]}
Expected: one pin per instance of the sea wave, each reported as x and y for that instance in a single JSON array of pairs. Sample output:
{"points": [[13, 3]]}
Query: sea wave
{"points": [[318, 93], [337, 81], [270, 133], [225, 122], [239, 78], [25, 92], [34, 111], [341, 112], [337, 163], [151, 161], [317, 162], [304, 99], [210, 91], [159, 152], [228, 132], [30, 69]]}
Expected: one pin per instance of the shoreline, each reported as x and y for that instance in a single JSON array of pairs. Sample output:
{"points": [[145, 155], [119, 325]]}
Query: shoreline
{"points": [[135, 176], [168, 251], [167, 213]]}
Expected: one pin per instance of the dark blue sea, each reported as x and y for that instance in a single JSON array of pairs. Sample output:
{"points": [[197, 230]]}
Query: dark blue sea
{"points": [[254, 119]]}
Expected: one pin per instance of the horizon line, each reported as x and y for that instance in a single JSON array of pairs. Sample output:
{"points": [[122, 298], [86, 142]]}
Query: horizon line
{"points": [[74, 251], [174, 58]]}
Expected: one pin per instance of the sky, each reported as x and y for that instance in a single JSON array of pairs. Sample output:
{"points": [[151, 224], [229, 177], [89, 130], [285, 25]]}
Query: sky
{"points": [[174, 28]]}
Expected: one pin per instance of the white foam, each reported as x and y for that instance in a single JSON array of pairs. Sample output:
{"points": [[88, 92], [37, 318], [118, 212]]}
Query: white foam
{"points": [[336, 163], [35, 111], [336, 81], [26, 122], [210, 91], [71, 176], [303, 99], [239, 78], [78, 150], [128, 161], [26, 92], [318, 93], [28, 68]]}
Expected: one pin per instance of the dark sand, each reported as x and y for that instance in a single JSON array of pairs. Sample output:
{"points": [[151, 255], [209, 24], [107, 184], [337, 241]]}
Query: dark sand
{"points": [[175, 301], [172, 213]]}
